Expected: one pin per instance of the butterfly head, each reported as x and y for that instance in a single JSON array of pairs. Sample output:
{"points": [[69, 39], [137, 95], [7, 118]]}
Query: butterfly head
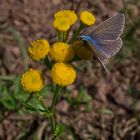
{"points": [[82, 37]]}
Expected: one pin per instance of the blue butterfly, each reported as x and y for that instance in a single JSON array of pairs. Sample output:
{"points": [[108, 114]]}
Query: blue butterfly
{"points": [[104, 40]]}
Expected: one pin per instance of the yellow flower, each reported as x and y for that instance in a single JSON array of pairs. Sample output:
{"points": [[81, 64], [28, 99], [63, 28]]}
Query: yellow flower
{"points": [[63, 74], [32, 80], [61, 52], [70, 16], [61, 24], [87, 18], [38, 49], [82, 51]]}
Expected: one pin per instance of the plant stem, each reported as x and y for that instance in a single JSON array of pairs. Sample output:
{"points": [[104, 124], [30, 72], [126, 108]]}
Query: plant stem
{"points": [[52, 109], [48, 63], [65, 36], [7, 78], [29, 98], [55, 98], [60, 36], [76, 33]]}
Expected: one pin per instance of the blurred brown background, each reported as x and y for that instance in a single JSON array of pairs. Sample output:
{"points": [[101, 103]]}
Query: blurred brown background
{"points": [[115, 103]]}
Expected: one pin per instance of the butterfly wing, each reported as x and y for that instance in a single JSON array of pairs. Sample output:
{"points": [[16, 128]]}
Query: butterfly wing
{"points": [[111, 29], [108, 48], [104, 49], [106, 37]]}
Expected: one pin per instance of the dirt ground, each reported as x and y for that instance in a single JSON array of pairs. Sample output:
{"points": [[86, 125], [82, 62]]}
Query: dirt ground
{"points": [[116, 96]]}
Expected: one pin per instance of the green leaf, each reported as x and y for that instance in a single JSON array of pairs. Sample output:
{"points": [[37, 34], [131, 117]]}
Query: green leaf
{"points": [[89, 107], [30, 108], [35, 102], [8, 103], [19, 94], [58, 130], [106, 111], [83, 99], [17, 85], [6, 100], [21, 45], [43, 92]]}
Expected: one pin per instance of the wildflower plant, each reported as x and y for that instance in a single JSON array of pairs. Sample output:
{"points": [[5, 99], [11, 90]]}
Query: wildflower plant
{"points": [[58, 58]]}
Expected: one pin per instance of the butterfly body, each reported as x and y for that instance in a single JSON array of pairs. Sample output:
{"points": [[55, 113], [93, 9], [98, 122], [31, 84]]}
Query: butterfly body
{"points": [[104, 41], [92, 45]]}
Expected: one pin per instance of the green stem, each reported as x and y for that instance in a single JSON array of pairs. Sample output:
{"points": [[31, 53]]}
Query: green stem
{"points": [[26, 101], [7, 78], [55, 98], [42, 103], [65, 36], [48, 63], [60, 36], [29, 97], [52, 109], [76, 33]]}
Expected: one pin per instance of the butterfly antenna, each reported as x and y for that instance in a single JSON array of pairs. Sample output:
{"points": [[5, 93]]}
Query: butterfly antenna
{"points": [[103, 65]]}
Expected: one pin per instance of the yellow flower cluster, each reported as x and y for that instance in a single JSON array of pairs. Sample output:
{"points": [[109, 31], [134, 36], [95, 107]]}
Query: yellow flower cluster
{"points": [[61, 24], [61, 52], [32, 81], [64, 19], [82, 51], [87, 18], [69, 15], [63, 74], [38, 49]]}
